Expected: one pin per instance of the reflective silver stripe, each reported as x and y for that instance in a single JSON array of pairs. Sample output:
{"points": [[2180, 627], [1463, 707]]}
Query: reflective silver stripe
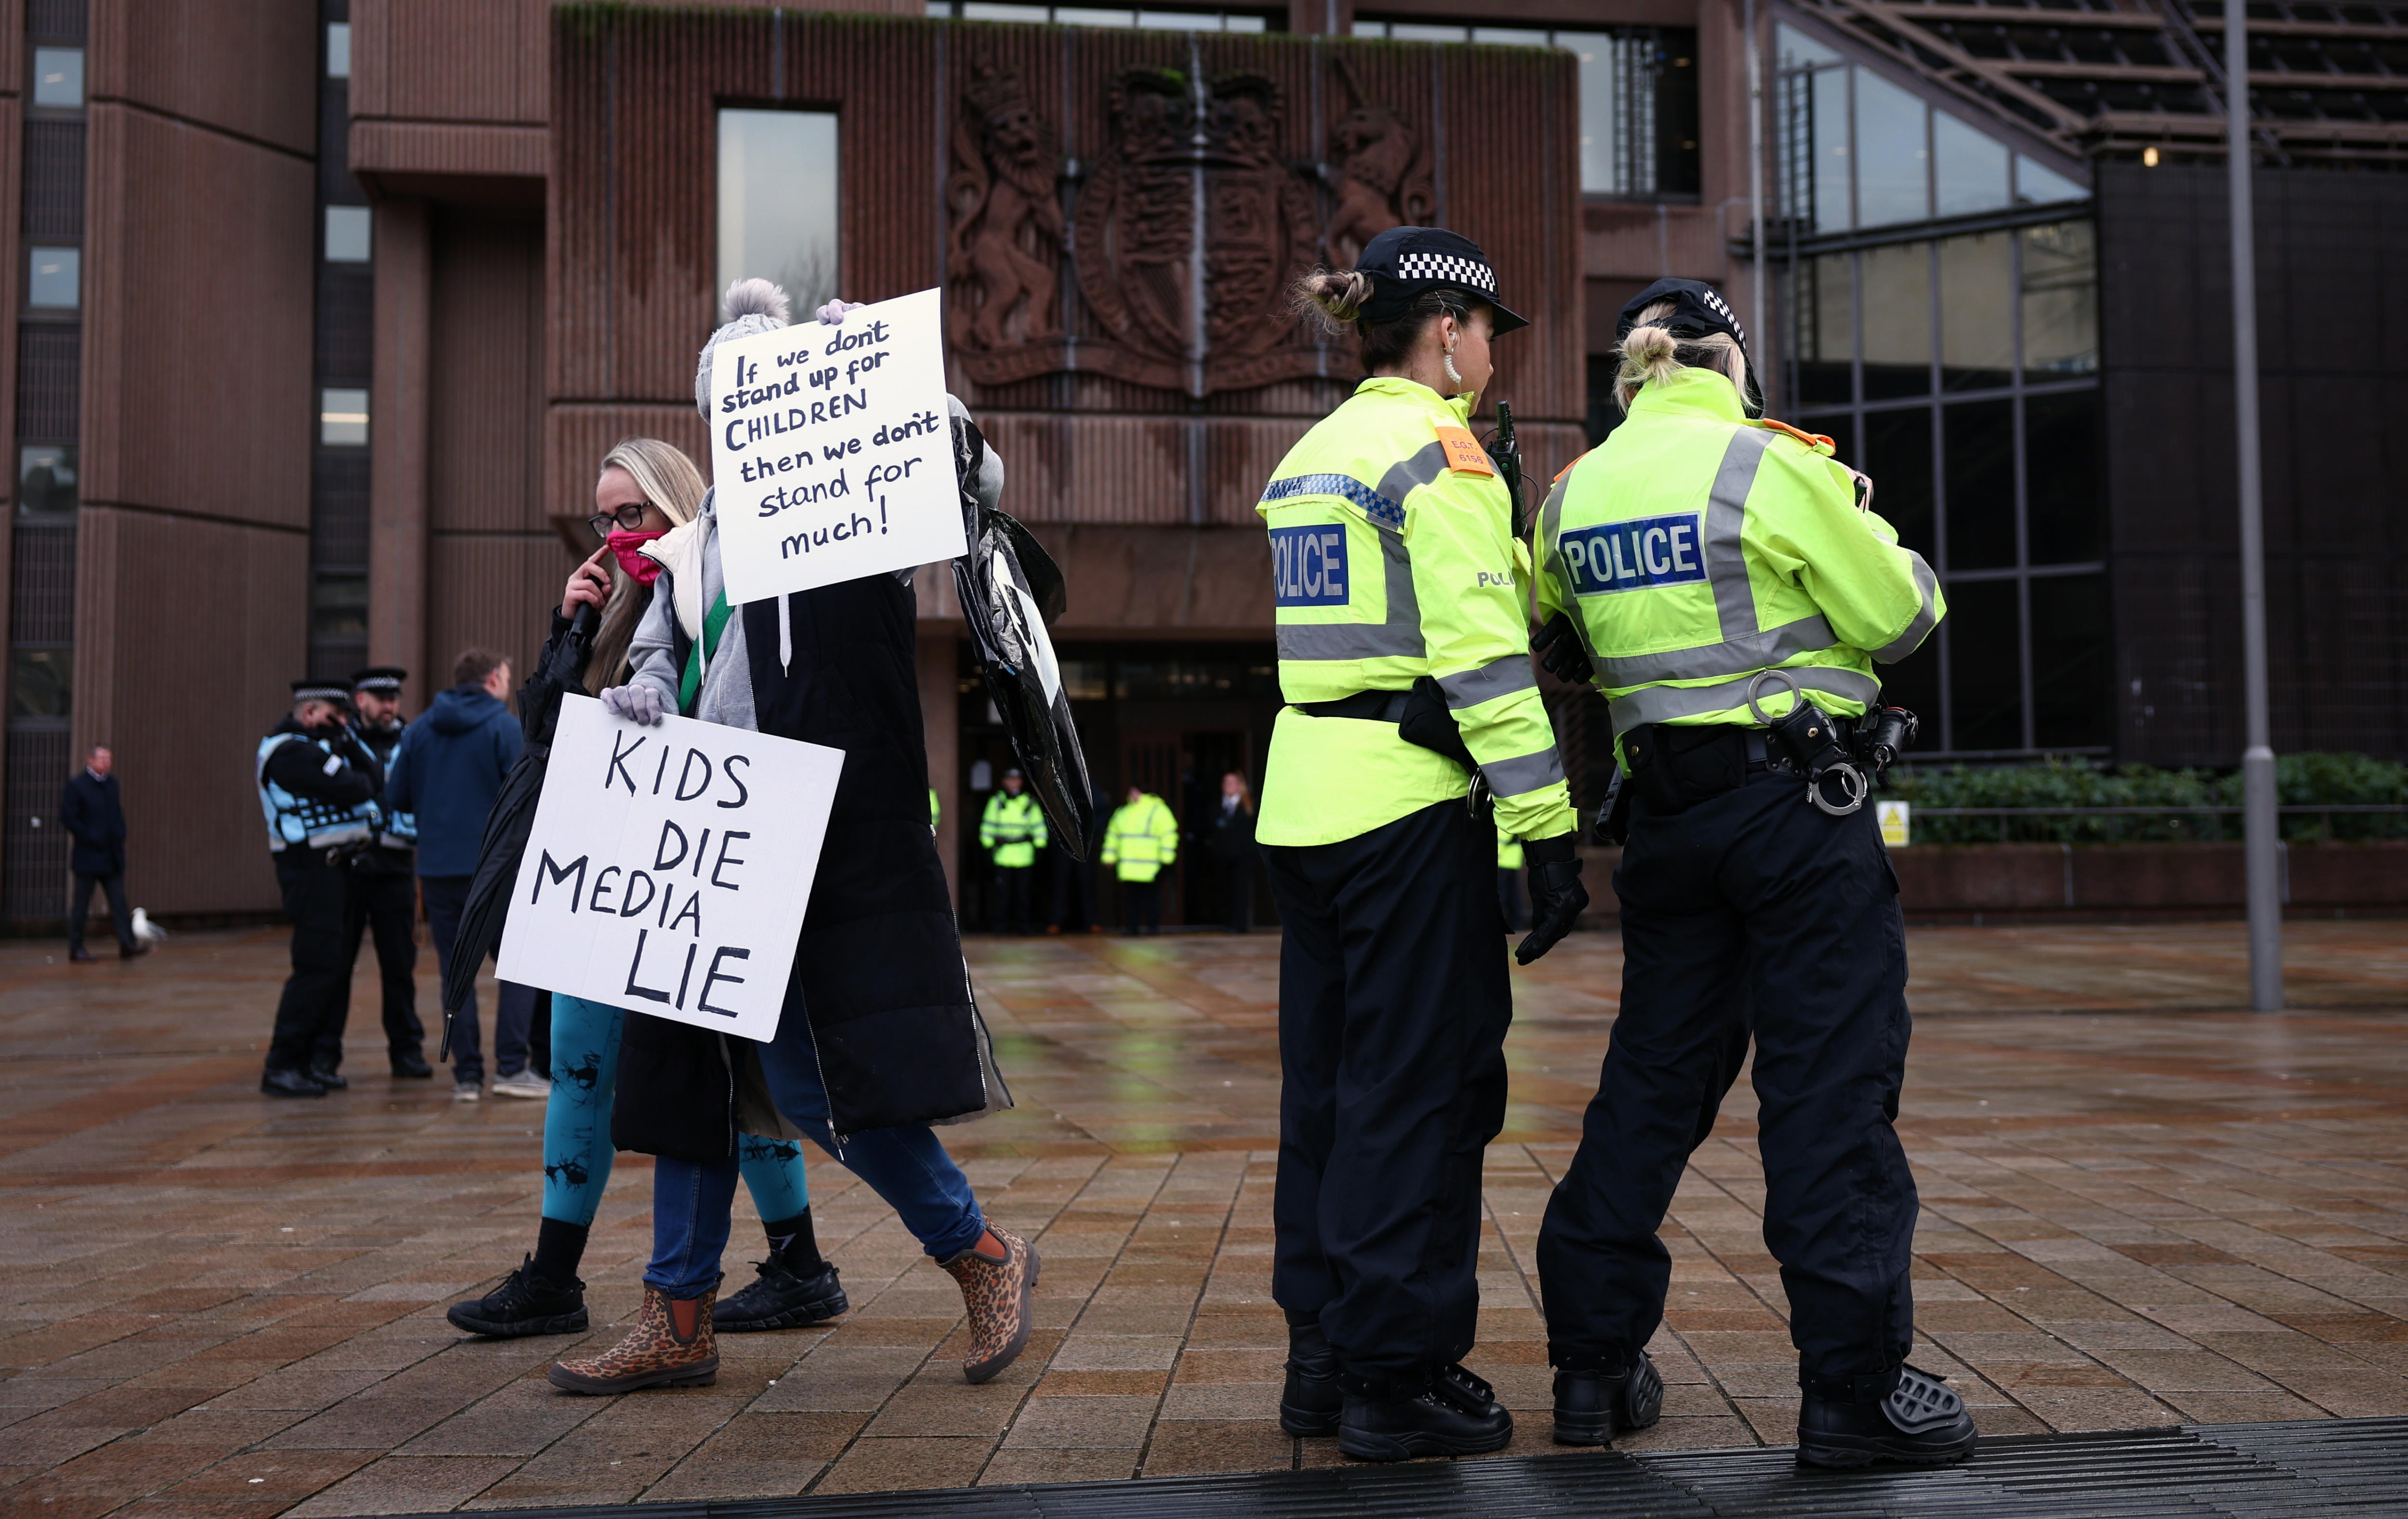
{"points": [[1524, 772], [1497, 677], [1407, 475], [1662, 704], [1927, 585], [1756, 652], [1399, 637], [1726, 516]]}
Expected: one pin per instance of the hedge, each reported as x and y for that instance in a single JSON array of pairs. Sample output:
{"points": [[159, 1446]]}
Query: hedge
{"points": [[2300, 780]]}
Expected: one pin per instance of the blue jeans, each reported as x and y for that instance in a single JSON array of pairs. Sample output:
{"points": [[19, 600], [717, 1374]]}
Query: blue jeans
{"points": [[447, 898], [577, 1151], [905, 1166]]}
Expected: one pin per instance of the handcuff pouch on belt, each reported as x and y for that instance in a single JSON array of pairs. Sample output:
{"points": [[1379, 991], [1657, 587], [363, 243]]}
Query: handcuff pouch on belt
{"points": [[1818, 745]]}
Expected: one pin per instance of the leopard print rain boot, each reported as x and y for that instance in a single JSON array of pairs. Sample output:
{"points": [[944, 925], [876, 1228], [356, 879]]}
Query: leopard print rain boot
{"points": [[671, 1345], [996, 1289]]}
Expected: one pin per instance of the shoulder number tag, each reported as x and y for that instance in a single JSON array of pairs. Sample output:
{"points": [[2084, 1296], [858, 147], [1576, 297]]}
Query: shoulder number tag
{"points": [[1464, 453]]}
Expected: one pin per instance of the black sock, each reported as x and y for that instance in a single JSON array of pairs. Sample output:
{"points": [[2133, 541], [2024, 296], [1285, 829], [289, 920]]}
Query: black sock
{"points": [[558, 1248], [792, 1241]]}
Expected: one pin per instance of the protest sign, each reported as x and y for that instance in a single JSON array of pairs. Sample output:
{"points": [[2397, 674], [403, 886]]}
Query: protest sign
{"points": [[832, 449], [669, 866]]}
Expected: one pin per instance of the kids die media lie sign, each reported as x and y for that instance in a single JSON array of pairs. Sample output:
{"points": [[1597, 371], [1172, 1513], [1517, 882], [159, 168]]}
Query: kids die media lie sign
{"points": [[669, 866], [832, 450]]}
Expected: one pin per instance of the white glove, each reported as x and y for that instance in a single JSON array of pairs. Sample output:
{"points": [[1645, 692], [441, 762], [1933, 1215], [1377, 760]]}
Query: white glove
{"points": [[638, 701], [832, 314]]}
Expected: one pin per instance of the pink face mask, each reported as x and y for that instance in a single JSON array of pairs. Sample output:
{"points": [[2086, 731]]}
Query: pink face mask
{"points": [[624, 545]]}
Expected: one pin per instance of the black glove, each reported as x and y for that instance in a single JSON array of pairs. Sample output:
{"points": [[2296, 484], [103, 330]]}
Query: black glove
{"points": [[1558, 647], [1556, 894]]}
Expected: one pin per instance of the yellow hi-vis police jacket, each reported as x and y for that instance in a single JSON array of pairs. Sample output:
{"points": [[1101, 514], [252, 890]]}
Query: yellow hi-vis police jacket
{"points": [[1393, 557], [1013, 830], [1695, 549], [1142, 837]]}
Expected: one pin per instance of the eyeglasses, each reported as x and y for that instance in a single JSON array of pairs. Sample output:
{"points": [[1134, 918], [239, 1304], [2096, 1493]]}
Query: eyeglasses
{"points": [[627, 519]]}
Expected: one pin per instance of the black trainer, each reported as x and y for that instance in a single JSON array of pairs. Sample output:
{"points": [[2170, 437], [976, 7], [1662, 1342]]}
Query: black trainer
{"points": [[1591, 1405], [524, 1304], [1456, 1415], [782, 1297], [1310, 1403], [1921, 1423]]}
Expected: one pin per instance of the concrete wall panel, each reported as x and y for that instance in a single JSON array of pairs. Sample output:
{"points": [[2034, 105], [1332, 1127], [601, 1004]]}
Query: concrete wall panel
{"points": [[228, 63], [479, 61], [484, 376], [491, 593], [197, 266]]}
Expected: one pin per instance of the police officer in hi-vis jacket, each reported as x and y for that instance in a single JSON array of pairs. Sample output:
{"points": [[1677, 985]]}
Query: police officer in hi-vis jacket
{"points": [[1721, 581], [1404, 658]]}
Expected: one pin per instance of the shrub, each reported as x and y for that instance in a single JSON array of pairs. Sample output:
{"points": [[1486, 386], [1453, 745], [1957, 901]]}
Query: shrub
{"points": [[2300, 781]]}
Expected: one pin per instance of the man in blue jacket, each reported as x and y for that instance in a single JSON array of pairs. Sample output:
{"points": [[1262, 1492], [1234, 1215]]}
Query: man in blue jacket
{"points": [[446, 773]]}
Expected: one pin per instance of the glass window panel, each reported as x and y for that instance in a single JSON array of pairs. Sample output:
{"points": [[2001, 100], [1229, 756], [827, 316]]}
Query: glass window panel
{"points": [[990, 10], [2072, 662], [54, 277], [45, 477], [1245, 24], [2037, 185], [2064, 467], [1979, 438], [1840, 429], [1595, 52], [2060, 299], [347, 230], [338, 607], [40, 681], [1370, 28], [342, 416], [1827, 328], [1893, 156], [1424, 31], [940, 7], [1977, 328], [1970, 171], [58, 77], [1510, 36], [338, 50], [1081, 16], [1177, 20], [1834, 208], [1897, 320], [1985, 664], [1798, 51], [777, 201], [1897, 457]]}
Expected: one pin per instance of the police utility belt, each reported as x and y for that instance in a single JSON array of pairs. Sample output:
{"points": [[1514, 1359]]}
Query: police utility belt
{"points": [[1674, 766], [1420, 717]]}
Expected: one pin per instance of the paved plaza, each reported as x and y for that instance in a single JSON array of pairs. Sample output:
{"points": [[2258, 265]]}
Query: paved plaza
{"points": [[2141, 1207]]}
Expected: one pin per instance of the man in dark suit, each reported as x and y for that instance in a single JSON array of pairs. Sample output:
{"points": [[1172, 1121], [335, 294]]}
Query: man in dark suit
{"points": [[95, 820]]}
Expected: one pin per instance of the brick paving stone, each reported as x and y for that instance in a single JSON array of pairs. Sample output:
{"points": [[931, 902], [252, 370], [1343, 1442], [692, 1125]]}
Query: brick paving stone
{"points": [[2140, 1206]]}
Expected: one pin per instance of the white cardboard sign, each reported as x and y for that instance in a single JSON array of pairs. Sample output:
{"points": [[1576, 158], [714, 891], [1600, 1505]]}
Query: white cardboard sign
{"points": [[669, 866], [832, 449]]}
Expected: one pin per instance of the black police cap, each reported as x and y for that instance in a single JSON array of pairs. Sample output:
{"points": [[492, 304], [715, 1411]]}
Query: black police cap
{"points": [[332, 691], [1407, 262], [1699, 310], [385, 680]]}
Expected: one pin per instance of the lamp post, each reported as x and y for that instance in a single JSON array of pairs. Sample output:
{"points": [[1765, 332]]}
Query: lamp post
{"points": [[2262, 845]]}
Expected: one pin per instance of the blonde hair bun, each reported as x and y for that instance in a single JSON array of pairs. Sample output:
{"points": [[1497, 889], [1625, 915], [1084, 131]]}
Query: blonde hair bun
{"points": [[1651, 354], [1334, 298]]}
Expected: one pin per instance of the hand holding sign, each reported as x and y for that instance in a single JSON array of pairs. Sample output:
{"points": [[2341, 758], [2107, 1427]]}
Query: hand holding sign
{"points": [[669, 867], [831, 450]]}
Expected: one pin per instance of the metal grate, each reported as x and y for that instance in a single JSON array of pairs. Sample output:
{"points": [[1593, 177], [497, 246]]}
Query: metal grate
{"points": [[41, 584], [56, 20], [49, 379], [35, 882], [2310, 1469], [54, 179]]}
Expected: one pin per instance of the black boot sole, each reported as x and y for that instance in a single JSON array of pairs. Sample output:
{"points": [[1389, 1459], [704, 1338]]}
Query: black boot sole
{"points": [[569, 1382], [1309, 1423], [1845, 1452], [559, 1324], [1364, 1446], [1598, 1429], [834, 1306]]}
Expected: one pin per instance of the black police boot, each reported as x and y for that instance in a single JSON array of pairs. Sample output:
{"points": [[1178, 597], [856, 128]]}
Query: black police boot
{"points": [[290, 1083], [1456, 1415], [782, 1297], [1591, 1405], [411, 1065], [1310, 1402], [331, 1081], [526, 1303], [1921, 1423]]}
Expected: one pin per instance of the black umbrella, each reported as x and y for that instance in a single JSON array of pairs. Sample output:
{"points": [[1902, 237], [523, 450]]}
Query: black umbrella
{"points": [[1010, 589], [512, 819]]}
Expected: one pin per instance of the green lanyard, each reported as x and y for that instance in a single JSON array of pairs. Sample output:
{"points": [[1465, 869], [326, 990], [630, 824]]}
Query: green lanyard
{"points": [[714, 623]]}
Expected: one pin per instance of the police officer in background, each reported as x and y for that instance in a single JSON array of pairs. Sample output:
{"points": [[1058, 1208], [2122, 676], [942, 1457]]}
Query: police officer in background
{"points": [[382, 898], [1722, 584], [1011, 830], [1404, 658], [318, 784]]}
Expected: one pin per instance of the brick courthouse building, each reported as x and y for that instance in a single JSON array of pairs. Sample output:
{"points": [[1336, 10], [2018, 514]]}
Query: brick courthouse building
{"points": [[330, 309]]}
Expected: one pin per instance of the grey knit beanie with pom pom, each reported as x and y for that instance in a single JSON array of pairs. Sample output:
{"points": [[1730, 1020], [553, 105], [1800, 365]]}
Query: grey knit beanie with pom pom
{"points": [[752, 306]]}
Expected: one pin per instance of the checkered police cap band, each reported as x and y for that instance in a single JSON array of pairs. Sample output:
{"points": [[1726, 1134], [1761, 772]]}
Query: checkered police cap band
{"points": [[1713, 303], [314, 691], [1453, 268]]}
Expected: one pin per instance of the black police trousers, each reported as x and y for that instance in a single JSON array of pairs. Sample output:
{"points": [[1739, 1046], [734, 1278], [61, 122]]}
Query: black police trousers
{"points": [[1751, 913], [382, 907], [317, 897], [1393, 1009]]}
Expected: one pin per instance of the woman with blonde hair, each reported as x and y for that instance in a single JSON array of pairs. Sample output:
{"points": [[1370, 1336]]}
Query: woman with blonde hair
{"points": [[646, 489]]}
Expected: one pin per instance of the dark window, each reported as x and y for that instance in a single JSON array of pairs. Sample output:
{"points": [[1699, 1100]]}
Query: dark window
{"points": [[2064, 469], [2072, 702], [1897, 457], [1984, 666], [1980, 437]]}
